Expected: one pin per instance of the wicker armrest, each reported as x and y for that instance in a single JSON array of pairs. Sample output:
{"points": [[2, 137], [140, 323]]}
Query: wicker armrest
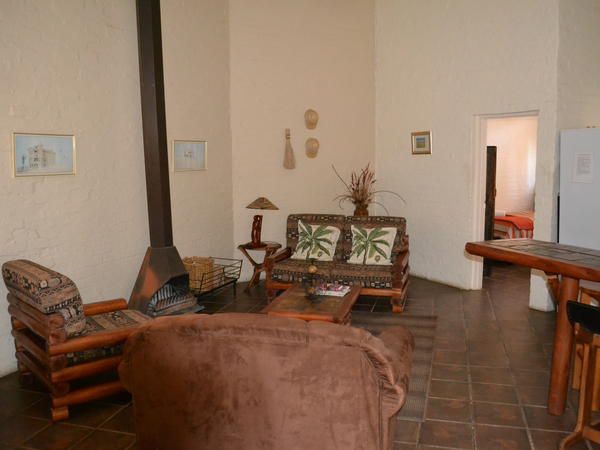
{"points": [[276, 257], [104, 306]]}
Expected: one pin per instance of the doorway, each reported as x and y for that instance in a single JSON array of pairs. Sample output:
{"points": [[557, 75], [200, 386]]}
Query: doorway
{"points": [[505, 185]]}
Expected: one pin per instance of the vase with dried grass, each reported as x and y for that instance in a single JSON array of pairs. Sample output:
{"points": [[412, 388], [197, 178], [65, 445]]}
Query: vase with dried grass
{"points": [[360, 191]]}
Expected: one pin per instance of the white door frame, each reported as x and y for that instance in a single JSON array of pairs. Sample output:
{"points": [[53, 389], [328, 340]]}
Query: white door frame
{"points": [[479, 162]]}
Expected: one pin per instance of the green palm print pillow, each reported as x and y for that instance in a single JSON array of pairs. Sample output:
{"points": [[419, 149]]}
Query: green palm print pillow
{"points": [[316, 242], [372, 245]]}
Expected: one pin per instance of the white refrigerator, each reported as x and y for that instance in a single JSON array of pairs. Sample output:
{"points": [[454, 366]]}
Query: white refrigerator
{"points": [[579, 190]]}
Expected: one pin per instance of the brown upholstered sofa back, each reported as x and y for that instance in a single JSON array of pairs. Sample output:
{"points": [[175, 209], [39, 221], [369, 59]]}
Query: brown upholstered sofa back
{"points": [[249, 381]]}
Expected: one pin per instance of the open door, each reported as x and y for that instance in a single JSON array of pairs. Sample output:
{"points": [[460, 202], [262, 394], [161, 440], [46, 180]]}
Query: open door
{"points": [[490, 202]]}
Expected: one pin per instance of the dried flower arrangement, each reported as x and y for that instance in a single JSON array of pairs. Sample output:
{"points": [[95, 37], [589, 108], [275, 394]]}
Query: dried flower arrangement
{"points": [[360, 191]]}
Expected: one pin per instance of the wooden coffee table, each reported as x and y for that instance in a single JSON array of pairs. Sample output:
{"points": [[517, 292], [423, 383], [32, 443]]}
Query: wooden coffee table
{"points": [[293, 303]]}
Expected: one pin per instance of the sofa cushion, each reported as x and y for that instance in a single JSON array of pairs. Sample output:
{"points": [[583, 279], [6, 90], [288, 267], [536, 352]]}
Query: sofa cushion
{"points": [[400, 241], [316, 242], [363, 275], [333, 220], [47, 291], [296, 270], [372, 245]]}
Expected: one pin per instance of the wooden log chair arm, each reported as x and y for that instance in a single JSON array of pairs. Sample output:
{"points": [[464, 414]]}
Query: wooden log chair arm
{"points": [[104, 306], [93, 341], [43, 348], [270, 261]]}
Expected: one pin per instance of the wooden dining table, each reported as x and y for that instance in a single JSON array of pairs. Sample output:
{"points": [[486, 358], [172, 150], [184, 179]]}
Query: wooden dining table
{"points": [[571, 264]]}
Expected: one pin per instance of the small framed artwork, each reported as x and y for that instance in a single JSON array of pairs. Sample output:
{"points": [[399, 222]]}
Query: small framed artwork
{"points": [[189, 155], [37, 154], [421, 142]]}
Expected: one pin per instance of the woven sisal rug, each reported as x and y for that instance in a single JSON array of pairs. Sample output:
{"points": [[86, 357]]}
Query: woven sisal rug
{"points": [[423, 330]]}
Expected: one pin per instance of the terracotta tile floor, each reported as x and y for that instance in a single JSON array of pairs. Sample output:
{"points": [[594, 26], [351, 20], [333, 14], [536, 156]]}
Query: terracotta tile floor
{"points": [[487, 382], [490, 369]]}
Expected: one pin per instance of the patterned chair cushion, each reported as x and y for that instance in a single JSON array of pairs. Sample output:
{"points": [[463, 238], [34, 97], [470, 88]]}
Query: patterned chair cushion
{"points": [[370, 276], [296, 270], [313, 219], [106, 322], [114, 320], [400, 241], [47, 291]]}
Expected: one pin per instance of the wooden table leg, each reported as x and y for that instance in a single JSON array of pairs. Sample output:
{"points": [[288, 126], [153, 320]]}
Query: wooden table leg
{"points": [[257, 266], [255, 277], [563, 344]]}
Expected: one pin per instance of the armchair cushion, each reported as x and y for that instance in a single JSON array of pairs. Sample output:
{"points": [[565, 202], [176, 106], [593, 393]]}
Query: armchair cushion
{"points": [[106, 322], [368, 276], [47, 291], [296, 270], [114, 320]]}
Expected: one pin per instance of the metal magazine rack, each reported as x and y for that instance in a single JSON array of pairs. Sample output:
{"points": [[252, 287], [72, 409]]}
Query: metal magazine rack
{"points": [[225, 272]]}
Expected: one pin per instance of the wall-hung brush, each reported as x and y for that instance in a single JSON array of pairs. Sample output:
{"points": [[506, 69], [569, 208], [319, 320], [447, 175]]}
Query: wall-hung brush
{"points": [[289, 162]]}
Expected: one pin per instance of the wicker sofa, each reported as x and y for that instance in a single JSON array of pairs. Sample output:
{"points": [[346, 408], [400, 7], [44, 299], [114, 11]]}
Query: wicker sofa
{"points": [[377, 280]]}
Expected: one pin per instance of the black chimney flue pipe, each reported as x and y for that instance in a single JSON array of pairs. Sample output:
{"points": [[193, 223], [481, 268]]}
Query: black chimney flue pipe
{"points": [[154, 123]]}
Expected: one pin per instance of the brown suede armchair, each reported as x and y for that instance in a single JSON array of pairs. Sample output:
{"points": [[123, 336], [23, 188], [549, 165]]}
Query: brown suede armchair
{"points": [[253, 382]]}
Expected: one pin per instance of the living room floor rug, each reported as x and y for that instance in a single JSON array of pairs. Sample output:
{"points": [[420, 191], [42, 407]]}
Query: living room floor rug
{"points": [[423, 330]]}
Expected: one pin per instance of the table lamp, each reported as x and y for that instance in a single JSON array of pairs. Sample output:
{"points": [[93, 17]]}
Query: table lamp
{"points": [[259, 203]]}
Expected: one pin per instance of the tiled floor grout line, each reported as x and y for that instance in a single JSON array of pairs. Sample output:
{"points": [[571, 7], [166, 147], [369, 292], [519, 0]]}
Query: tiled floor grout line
{"points": [[469, 378], [427, 390], [514, 379], [83, 438]]}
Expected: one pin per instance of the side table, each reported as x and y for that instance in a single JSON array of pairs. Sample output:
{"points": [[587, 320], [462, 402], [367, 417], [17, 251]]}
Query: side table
{"points": [[268, 247]]}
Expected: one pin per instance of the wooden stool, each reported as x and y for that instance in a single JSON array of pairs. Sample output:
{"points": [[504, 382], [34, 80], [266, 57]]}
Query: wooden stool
{"points": [[589, 293], [586, 321]]}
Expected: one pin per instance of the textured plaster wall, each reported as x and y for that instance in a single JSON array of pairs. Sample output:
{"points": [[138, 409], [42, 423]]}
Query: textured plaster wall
{"points": [[196, 59], [71, 67], [516, 140], [286, 57], [579, 64], [440, 64]]}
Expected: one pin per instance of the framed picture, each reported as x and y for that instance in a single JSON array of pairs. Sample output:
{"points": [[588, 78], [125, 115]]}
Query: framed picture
{"points": [[189, 155], [421, 142], [43, 154]]}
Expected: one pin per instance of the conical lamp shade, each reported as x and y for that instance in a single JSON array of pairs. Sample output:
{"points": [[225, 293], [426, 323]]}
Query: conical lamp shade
{"points": [[261, 203]]}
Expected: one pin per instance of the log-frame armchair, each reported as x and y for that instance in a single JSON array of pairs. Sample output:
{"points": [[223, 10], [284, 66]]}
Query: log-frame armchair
{"points": [[47, 350]]}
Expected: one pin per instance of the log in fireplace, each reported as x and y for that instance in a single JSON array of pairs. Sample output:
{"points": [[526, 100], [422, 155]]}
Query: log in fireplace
{"points": [[162, 285]]}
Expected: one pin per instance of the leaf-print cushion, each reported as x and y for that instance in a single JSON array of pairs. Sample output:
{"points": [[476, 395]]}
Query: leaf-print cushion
{"points": [[372, 245], [316, 242]]}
